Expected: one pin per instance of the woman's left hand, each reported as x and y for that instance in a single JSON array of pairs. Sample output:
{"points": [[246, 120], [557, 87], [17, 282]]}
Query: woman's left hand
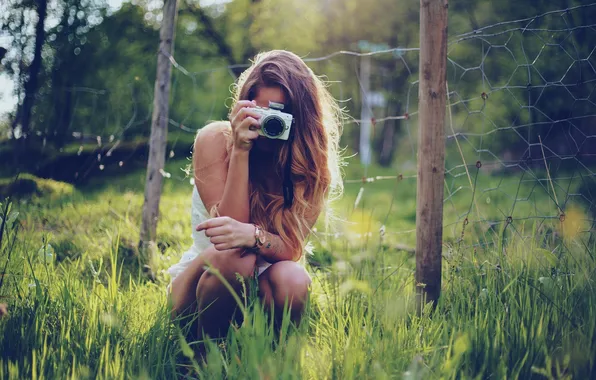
{"points": [[228, 233]]}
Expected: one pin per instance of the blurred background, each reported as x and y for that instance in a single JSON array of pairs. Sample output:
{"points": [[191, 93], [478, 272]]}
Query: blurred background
{"points": [[78, 77]]}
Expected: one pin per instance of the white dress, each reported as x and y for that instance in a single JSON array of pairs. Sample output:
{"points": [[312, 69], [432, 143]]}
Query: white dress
{"points": [[200, 241]]}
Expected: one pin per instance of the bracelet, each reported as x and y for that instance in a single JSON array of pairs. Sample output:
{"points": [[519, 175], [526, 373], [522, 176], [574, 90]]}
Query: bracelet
{"points": [[257, 245], [260, 239], [214, 211]]}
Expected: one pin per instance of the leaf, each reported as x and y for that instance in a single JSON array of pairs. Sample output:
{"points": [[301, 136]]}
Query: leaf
{"points": [[462, 343], [550, 257], [12, 217], [509, 285], [545, 280], [46, 253], [186, 350]]}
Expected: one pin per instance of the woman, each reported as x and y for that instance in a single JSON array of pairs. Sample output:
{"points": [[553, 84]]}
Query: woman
{"points": [[255, 198]]}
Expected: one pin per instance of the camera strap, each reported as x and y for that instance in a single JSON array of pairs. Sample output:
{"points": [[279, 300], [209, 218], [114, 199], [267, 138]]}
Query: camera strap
{"points": [[288, 185]]}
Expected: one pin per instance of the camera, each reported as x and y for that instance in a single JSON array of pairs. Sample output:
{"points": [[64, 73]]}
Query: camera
{"points": [[275, 124]]}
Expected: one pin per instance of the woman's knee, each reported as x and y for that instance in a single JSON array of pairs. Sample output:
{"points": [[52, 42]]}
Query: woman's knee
{"points": [[290, 283], [230, 263]]}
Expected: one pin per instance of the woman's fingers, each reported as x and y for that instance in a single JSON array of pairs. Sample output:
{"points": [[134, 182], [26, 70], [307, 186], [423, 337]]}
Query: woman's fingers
{"points": [[250, 126], [240, 105], [246, 133], [217, 231], [226, 241], [244, 113], [244, 121], [224, 232], [250, 122], [222, 246], [245, 125], [219, 239], [214, 222]]}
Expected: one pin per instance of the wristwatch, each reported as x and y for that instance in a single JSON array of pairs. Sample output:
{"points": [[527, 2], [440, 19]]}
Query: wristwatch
{"points": [[260, 238]]}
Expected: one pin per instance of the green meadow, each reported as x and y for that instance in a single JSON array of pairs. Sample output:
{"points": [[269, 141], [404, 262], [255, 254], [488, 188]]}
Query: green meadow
{"points": [[517, 301]]}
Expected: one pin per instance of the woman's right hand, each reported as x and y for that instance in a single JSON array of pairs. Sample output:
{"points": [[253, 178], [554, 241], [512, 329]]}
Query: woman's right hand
{"points": [[245, 122]]}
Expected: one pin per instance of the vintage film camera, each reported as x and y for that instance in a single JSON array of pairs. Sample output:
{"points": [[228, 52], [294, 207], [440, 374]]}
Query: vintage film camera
{"points": [[275, 124]]}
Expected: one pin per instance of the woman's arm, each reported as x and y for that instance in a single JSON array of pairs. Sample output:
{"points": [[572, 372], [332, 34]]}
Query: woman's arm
{"points": [[274, 249], [234, 200], [224, 187], [210, 167], [228, 233]]}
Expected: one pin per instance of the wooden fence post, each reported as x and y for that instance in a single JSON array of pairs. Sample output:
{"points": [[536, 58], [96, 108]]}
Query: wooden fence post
{"points": [[159, 131], [431, 150]]}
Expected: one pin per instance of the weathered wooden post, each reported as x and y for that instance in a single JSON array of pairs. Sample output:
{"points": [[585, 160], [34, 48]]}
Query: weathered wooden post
{"points": [[159, 131], [431, 150]]}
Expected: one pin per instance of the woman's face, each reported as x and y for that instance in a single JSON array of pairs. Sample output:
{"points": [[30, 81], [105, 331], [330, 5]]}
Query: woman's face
{"points": [[263, 97]]}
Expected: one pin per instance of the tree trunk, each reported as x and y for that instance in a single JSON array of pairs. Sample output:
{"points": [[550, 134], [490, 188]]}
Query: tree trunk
{"points": [[159, 132], [63, 104], [432, 96], [32, 82]]}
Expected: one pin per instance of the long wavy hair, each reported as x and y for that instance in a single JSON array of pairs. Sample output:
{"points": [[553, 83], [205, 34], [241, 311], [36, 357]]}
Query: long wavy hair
{"points": [[315, 155]]}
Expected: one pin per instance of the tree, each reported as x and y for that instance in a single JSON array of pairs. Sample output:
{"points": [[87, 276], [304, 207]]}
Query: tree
{"points": [[31, 83], [69, 38], [159, 130], [16, 24]]}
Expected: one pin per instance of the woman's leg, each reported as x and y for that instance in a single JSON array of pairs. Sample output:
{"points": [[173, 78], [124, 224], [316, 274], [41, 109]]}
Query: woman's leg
{"points": [[285, 281], [195, 289], [215, 303]]}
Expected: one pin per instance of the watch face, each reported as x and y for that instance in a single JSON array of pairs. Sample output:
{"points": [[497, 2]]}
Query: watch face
{"points": [[261, 238]]}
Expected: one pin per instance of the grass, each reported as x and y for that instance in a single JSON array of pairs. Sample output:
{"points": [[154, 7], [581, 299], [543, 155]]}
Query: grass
{"points": [[519, 305], [28, 186]]}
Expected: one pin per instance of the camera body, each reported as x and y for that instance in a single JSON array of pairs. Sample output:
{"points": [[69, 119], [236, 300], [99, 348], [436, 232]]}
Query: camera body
{"points": [[275, 124]]}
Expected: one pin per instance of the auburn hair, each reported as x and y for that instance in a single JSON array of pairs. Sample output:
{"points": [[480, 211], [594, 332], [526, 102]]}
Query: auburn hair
{"points": [[315, 156]]}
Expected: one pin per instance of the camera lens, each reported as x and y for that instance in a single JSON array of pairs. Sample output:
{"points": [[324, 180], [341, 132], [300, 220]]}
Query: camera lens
{"points": [[273, 126]]}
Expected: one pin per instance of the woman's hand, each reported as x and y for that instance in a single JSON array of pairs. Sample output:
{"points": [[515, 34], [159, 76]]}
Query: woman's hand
{"points": [[227, 233], [245, 123]]}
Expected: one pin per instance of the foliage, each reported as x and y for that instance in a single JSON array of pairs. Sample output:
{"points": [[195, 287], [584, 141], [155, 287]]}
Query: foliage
{"points": [[27, 186], [99, 68]]}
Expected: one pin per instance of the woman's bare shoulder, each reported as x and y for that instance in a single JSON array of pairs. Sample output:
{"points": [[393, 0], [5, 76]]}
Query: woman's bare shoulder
{"points": [[213, 131], [212, 139]]}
